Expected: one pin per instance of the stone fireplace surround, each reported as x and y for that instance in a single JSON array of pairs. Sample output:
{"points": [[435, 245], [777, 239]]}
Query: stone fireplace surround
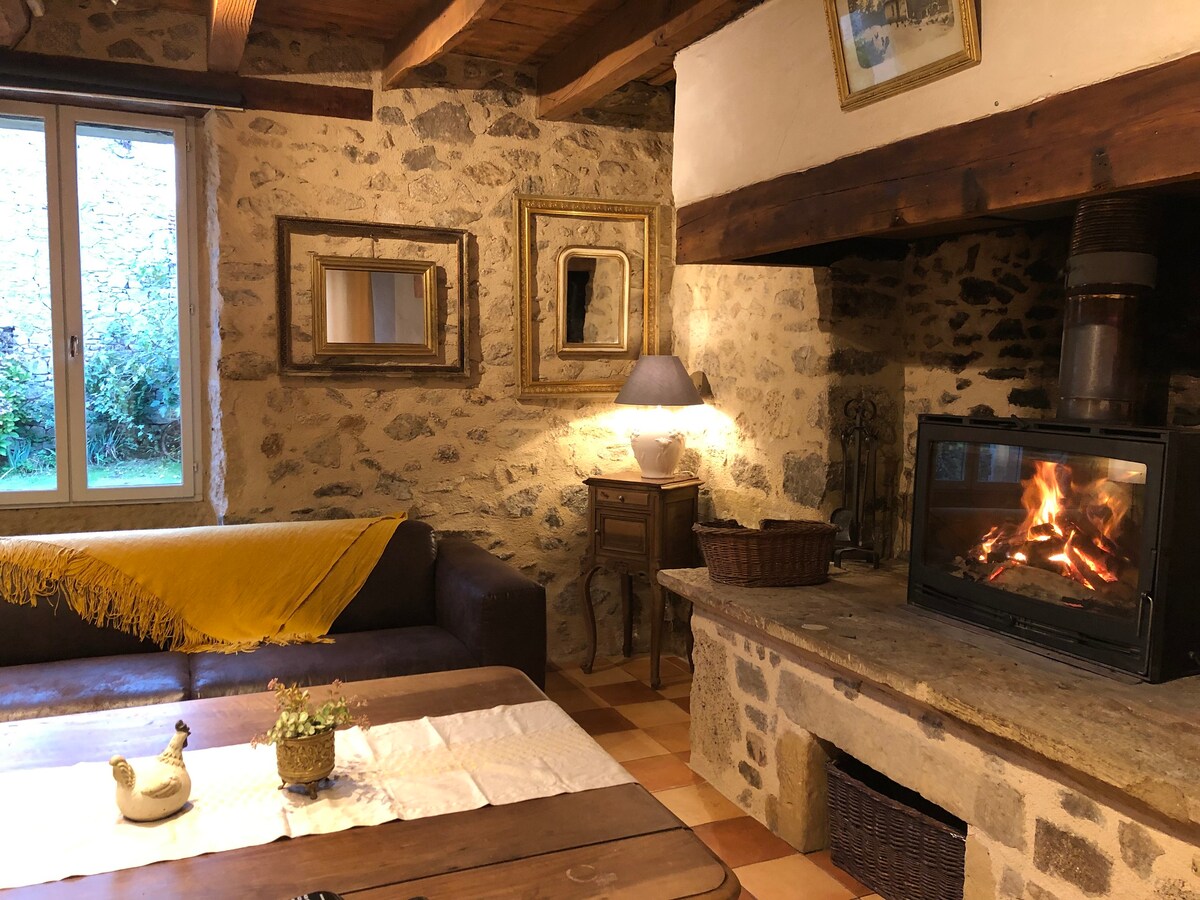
{"points": [[1073, 785]]}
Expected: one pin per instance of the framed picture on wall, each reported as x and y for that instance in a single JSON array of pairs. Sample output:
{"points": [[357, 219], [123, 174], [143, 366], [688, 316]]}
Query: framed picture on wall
{"points": [[883, 47]]}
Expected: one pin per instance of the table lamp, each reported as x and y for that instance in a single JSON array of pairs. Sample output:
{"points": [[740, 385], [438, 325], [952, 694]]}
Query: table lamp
{"points": [[658, 381]]}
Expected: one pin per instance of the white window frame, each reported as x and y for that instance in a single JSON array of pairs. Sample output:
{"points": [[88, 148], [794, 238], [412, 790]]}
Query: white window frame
{"points": [[67, 308]]}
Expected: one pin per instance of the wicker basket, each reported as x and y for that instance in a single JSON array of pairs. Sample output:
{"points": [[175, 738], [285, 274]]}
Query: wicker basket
{"points": [[783, 552], [892, 839]]}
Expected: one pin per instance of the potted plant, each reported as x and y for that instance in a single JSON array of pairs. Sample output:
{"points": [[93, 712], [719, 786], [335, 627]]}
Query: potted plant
{"points": [[303, 733]]}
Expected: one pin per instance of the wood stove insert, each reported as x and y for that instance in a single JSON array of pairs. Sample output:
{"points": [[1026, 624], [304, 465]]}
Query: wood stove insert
{"points": [[1082, 540]]}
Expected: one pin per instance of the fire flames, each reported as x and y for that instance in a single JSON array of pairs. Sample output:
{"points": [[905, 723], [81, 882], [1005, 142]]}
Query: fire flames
{"points": [[1069, 530]]}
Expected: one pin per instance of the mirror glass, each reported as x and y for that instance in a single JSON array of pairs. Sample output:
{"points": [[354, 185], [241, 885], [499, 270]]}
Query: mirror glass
{"points": [[593, 300], [368, 305]]}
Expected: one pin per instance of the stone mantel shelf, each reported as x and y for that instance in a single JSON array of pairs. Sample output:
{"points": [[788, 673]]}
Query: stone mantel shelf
{"points": [[1136, 742]]}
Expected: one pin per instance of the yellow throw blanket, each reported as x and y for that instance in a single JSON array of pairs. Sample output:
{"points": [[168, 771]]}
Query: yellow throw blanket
{"points": [[227, 587]]}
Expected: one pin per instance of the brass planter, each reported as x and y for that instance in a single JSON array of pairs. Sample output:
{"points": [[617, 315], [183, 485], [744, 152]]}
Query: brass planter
{"points": [[305, 760]]}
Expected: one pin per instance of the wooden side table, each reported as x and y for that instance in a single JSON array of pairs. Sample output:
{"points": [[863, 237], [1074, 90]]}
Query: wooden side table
{"points": [[638, 526]]}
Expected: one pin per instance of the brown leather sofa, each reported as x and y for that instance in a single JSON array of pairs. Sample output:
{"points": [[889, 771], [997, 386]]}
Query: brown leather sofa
{"points": [[427, 606]]}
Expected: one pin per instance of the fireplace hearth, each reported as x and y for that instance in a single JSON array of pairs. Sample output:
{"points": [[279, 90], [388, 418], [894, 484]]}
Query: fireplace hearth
{"points": [[1081, 540]]}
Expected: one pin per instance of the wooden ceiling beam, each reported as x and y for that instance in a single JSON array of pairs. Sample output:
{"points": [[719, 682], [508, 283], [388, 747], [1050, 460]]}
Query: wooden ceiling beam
{"points": [[638, 38], [228, 27], [108, 84], [445, 24]]}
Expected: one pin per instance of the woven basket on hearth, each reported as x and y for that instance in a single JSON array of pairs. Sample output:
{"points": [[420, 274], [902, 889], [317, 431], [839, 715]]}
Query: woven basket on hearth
{"points": [[783, 552]]}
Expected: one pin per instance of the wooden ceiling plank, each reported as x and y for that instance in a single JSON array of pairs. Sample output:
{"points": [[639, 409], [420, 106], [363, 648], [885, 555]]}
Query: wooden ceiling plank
{"points": [[1053, 150], [228, 27], [445, 25], [639, 37]]}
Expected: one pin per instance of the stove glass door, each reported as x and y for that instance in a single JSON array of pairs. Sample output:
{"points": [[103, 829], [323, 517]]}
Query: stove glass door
{"points": [[1058, 527]]}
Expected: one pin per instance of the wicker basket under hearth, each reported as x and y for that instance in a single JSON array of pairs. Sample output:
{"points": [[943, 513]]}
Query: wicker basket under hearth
{"points": [[892, 839], [783, 552]]}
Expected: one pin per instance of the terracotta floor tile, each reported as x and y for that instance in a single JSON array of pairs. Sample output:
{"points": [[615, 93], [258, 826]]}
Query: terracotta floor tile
{"points": [[624, 746], [677, 661], [792, 877], [660, 773], [685, 755], [658, 712], [745, 895], [601, 721], [638, 667], [557, 681], [625, 692], [742, 841], [821, 858], [675, 691], [674, 736], [606, 675], [575, 698], [684, 703], [700, 803]]}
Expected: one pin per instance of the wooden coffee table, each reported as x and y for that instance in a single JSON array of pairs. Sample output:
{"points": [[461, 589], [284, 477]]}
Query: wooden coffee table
{"points": [[611, 842]]}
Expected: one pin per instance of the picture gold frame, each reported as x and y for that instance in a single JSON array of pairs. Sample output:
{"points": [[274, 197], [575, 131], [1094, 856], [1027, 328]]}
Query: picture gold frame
{"points": [[438, 256], [621, 345], [323, 346], [944, 39], [575, 217]]}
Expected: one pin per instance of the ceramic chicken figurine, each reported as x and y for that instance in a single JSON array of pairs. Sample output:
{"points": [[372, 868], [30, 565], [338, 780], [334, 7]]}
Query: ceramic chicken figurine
{"points": [[161, 789]]}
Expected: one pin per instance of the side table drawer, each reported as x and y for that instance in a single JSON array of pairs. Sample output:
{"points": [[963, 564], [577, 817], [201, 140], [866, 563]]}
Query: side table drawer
{"points": [[612, 497], [622, 535]]}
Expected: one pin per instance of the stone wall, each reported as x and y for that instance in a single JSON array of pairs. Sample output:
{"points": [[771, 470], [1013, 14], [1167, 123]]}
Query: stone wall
{"points": [[463, 454], [764, 720], [966, 325]]}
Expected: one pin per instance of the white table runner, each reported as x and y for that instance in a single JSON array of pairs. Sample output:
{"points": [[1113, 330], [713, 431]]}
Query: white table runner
{"points": [[62, 822]]}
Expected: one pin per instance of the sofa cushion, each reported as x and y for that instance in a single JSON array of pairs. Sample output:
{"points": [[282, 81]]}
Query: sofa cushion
{"points": [[399, 590], [82, 685], [53, 631], [352, 657]]}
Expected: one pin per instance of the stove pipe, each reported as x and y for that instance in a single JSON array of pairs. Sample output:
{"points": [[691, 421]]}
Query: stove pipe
{"points": [[1112, 266]]}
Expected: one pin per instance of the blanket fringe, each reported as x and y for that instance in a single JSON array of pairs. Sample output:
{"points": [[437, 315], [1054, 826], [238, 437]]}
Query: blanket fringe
{"points": [[101, 595]]}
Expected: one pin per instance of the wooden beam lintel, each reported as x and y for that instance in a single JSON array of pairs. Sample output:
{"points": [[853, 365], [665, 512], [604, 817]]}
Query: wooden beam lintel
{"points": [[445, 25], [1133, 131], [639, 37], [104, 83]]}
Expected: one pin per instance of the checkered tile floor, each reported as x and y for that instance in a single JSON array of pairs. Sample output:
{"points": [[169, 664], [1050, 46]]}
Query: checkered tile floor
{"points": [[647, 732]]}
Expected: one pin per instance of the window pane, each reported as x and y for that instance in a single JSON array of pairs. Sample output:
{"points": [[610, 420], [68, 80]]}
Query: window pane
{"points": [[26, 323], [129, 274]]}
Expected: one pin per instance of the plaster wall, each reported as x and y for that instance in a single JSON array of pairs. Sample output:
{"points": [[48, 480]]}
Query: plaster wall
{"points": [[759, 98], [462, 454]]}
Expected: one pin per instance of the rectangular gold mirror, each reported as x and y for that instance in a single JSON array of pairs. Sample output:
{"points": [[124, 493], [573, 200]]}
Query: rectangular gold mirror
{"points": [[372, 298], [587, 293], [593, 300], [367, 307]]}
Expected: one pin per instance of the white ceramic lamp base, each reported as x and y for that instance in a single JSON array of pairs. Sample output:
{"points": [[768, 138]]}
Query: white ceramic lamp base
{"points": [[658, 452]]}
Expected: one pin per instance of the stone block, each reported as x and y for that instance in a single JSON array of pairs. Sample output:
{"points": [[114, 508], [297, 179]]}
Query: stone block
{"points": [[1000, 812], [802, 811], [715, 730], [750, 679], [1074, 859], [1138, 849], [1080, 807], [979, 879]]}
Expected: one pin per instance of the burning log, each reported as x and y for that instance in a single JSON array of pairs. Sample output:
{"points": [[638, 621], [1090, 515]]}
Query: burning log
{"points": [[1066, 549]]}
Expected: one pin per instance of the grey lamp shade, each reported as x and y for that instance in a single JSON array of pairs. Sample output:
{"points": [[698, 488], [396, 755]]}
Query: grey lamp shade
{"points": [[659, 381]]}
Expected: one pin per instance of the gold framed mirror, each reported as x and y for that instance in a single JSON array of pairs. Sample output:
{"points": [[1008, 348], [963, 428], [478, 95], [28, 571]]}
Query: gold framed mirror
{"points": [[593, 300], [371, 298], [583, 340], [373, 307]]}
